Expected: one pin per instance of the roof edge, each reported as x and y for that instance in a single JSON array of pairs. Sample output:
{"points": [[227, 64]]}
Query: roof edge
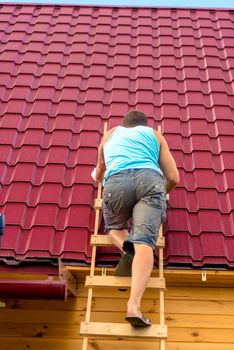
{"points": [[57, 4]]}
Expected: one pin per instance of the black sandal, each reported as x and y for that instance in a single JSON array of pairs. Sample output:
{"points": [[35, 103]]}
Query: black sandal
{"points": [[138, 321]]}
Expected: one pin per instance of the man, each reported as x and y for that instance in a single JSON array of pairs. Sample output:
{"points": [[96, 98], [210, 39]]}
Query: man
{"points": [[138, 171]]}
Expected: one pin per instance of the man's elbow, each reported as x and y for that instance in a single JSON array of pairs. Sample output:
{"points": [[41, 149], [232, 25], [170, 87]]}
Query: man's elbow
{"points": [[174, 178], [100, 172]]}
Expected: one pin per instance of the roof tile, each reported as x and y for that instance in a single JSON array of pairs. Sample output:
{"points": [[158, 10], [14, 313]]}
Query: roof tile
{"points": [[64, 71], [53, 173], [45, 215], [14, 213]]}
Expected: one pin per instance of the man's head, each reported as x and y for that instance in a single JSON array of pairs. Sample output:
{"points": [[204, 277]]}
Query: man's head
{"points": [[134, 118]]}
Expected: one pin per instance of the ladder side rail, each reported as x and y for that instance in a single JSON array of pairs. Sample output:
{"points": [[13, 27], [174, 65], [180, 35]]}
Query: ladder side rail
{"points": [[161, 292], [161, 296], [93, 259], [161, 275]]}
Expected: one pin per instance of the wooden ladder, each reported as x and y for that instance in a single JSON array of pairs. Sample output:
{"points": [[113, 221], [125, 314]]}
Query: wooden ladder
{"points": [[124, 330]]}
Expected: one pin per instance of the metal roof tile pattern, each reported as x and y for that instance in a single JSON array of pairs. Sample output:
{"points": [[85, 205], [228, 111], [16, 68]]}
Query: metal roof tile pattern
{"points": [[64, 71]]}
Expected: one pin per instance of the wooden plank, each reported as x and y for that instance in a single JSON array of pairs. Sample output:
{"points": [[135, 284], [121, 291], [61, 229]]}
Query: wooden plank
{"points": [[103, 305], [211, 332], [171, 306], [216, 322], [75, 344], [40, 316], [122, 330], [170, 273], [192, 346], [205, 294], [59, 331], [213, 277], [201, 335], [204, 323], [72, 304], [101, 240], [71, 282], [37, 343], [173, 293], [183, 278], [23, 276], [120, 282]]}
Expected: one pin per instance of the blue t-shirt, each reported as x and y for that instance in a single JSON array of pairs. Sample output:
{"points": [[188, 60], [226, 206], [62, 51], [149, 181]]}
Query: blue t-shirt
{"points": [[131, 148]]}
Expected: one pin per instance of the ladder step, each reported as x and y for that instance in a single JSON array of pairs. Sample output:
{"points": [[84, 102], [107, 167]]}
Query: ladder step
{"points": [[104, 240], [101, 240], [121, 282], [160, 242], [98, 203], [122, 330]]}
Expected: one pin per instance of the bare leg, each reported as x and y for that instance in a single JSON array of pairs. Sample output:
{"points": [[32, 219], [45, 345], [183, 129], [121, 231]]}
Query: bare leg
{"points": [[118, 237], [141, 270]]}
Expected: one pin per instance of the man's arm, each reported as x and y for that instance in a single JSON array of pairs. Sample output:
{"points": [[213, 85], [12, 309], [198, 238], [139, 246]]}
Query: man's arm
{"points": [[101, 166], [167, 163]]}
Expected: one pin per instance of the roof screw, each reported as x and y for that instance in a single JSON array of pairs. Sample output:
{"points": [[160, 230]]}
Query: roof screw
{"points": [[204, 278]]}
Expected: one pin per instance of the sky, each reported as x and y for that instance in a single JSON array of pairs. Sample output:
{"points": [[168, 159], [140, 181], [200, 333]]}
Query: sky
{"points": [[142, 3]]}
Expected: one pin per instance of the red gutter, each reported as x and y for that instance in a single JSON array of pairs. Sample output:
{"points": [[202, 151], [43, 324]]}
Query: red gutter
{"points": [[33, 289]]}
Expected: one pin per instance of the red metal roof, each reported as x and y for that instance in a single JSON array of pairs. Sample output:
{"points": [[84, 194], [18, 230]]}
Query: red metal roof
{"points": [[64, 70]]}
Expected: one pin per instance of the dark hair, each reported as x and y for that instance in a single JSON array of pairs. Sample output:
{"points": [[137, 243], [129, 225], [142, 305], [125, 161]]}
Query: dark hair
{"points": [[134, 118]]}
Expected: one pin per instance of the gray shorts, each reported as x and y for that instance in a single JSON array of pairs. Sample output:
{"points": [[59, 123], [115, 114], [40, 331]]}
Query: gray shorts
{"points": [[137, 194]]}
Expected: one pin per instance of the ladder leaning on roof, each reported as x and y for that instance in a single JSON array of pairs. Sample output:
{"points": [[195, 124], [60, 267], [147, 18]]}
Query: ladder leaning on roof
{"points": [[123, 330]]}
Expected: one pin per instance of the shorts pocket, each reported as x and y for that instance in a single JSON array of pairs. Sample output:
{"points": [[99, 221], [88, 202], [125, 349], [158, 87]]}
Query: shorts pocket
{"points": [[113, 200], [150, 186]]}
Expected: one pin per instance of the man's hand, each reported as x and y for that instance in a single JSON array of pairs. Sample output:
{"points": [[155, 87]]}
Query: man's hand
{"points": [[93, 174], [168, 201]]}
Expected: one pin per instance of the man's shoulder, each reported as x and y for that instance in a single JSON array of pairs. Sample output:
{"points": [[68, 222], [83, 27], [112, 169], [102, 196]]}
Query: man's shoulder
{"points": [[158, 136], [109, 133]]}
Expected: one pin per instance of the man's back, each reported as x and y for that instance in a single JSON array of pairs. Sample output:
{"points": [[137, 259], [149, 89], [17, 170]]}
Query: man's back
{"points": [[131, 148], [165, 160]]}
